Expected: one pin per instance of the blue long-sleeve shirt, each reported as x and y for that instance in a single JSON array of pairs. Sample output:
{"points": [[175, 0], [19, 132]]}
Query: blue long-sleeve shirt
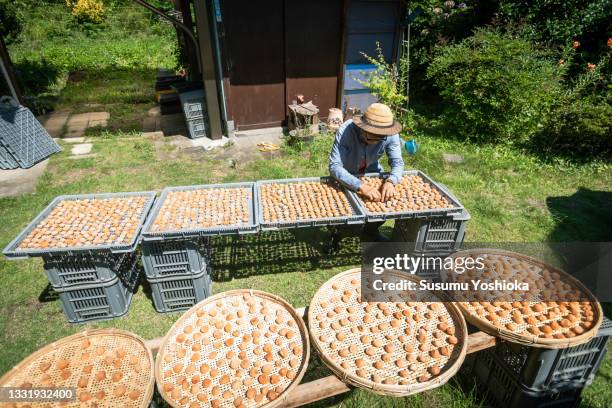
{"points": [[351, 156]]}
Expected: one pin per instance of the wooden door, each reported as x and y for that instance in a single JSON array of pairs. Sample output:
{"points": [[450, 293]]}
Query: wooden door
{"points": [[313, 33], [276, 49], [254, 58]]}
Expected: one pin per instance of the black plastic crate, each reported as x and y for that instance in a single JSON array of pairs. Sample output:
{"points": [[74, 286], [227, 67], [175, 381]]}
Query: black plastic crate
{"points": [[198, 127], [101, 301], [432, 234], [193, 103], [67, 270], [162, 259], [180, 292], [500, 389], [539, 369]]}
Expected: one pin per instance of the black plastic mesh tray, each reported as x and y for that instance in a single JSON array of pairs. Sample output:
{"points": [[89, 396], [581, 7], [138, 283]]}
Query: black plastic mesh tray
{"points": [[11, 250], [358, 216], [251, 227], [457, 206], [24, 137]]}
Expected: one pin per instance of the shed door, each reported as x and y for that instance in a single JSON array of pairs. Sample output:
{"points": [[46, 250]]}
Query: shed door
{"points": [[313, 33], [254, 57], [274, 50]]}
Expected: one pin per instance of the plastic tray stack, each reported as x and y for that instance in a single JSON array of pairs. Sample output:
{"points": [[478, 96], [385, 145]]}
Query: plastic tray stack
{"points": [[94, 282], [178, 272], [104, 299], [195, 111], [23, 140], [177, 263], [515, 375]]}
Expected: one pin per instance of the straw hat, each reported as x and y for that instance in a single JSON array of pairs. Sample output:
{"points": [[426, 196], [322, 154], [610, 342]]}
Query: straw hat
{"points": [[378, 120]]}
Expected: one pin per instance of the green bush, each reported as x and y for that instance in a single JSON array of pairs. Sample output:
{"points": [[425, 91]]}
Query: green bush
{"points": [[582, 129], [497, 88], [11, 20]]}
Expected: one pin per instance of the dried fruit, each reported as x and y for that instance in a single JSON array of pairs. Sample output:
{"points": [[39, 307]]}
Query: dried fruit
{"points": [[303, 200], [412, 193], [88, 222], [203, 208]]}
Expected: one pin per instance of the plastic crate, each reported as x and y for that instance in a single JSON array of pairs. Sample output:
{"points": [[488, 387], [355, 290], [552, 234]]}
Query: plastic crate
{"points": [[373, 217], [198, 127], [357, 217], [433, 234], [162, 259], [184, 234], [498, 386], [22, 135], [180, 292], [193, 103], [12, 251], [67, 270], [540, 369], [101, 301]]}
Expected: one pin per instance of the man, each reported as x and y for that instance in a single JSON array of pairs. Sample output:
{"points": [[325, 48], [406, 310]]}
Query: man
{"points": [[359, 144]]}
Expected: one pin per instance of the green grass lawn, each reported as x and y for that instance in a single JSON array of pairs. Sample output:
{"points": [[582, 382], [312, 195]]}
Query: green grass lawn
{"points": [[509, 195]]}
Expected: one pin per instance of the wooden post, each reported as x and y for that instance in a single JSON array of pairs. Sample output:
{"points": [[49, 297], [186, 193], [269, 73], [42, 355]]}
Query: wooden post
{"points": [[341, 57], [207, 59], [7, 72]]}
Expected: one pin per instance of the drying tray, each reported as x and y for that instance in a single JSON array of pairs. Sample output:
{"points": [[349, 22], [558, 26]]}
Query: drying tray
{"points": [[24, 138], [109, 340], [166, 358], [357, 218], [456, 209], [351, 279], [529, 340], [251, 227], [12, 250]]}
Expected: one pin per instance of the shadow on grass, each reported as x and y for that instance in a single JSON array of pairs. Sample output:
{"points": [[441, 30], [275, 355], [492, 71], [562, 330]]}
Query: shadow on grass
{"points": [[305, 249], [586, 215], [48, 295]]}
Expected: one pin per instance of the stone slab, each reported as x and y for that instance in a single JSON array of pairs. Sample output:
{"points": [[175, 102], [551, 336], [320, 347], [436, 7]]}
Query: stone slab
{"points": [[74, 139], [452, 158], [80, 149]]}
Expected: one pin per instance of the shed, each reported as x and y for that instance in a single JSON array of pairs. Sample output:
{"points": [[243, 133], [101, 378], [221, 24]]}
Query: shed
{"points": [[256, 56]]}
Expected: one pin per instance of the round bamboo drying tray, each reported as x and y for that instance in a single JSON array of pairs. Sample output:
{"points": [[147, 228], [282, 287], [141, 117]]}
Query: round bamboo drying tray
{"points": [[241, 348], [115, 352], [346, 339], [561, 318]]}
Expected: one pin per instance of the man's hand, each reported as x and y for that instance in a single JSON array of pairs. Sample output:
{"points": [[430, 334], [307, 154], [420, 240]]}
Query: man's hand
{"points": [[369, 192], [387, 191]]}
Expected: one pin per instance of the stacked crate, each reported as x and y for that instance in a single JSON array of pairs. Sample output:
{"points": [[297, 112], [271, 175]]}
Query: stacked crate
{"points": [[177, 262], [512, 375], [178, 272], [195, 111], [93, 282]]}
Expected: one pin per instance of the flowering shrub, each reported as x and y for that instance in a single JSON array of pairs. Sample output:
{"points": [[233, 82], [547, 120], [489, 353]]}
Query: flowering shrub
{"points": [[87, 11]]}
